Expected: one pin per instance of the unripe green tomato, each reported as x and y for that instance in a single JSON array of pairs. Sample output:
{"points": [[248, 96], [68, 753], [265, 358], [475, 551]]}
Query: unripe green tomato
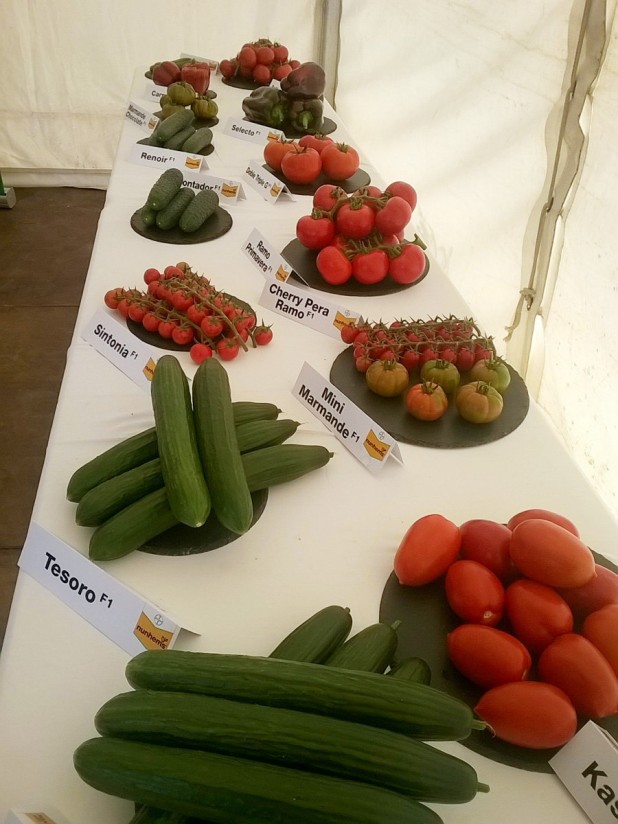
{"points": [[478, 402], [442, 372], [387, 378], [181, 93], [493, 371]]}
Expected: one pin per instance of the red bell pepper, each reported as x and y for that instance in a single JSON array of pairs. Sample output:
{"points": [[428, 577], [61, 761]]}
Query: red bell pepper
{"points": [[198, 75]]}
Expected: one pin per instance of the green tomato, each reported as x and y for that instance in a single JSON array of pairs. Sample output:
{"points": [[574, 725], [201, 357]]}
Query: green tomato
{"points": [[442, 372], [493, 371], [478, 402]]}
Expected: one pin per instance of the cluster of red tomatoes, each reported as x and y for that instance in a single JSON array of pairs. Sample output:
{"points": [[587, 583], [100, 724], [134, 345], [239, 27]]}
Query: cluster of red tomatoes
{"points": [[304, 160], [531, 600], [260, 62], [184, 307], [361, 236]]}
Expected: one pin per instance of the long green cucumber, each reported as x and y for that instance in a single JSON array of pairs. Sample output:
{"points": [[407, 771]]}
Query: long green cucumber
{"points": [[391, 703], [245, 411], [290, 738], [370, 650], [236, 790], [187, 492], [316, 638], [412, 669], [282, 463], [259, 434], [108, 498]]}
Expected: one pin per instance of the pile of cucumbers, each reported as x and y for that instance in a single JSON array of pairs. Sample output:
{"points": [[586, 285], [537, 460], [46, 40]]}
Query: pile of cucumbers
{"points": [[205, 454], [314, 733], [178, 132], [170, 204]]}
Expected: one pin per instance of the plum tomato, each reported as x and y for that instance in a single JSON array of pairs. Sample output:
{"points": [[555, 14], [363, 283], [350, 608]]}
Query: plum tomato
{"points": [[370, 267], [426, 401], [394, 216], [536, 613], [488, 543], [550, 554], [315, 232], [333, 265], [487, 656], [478, 402], [275, 151], [600, 591], [573, 664], [355, 219], [474, 593], [408, 265], [429, 547], [404, 190], [545, 515], [601, 629], [339, 161], [529, 714]]}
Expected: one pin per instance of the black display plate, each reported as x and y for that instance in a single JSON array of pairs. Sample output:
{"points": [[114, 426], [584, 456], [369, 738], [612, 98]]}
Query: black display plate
{"points": [[358, 179], [450, 431], [241, 83], [204, 152], [328, 127], [184, 540], [216, 226], [426, 619], [302, 260]]}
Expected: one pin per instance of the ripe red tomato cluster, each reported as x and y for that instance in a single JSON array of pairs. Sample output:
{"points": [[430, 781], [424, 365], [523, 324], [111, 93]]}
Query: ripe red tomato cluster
{"points": [[260, 62], [530, 598], [361, 236], [185, 307], [303, 161]]}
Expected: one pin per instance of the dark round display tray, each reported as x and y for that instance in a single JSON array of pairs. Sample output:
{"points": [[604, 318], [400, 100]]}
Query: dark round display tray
{"points": [[302, 260], [204, 152], [241, 83], [217, 225], [358, 179], [328, 127], [450, 431], [184, 540], [426, 619]]}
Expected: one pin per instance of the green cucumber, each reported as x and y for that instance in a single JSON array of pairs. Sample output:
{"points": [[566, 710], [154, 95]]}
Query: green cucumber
{"points": [[164, 189], [218, 447], [173, 124], [259, 434], [148, 815], [186, 487], [245, 411], [176, 141], [148, 215], [366, 697], [198, 141], [300, 740], [203, 206], [316, 638], [412, 669], [108, 498], [239, 790], [168, 218], [282, 463], [370, 650]]}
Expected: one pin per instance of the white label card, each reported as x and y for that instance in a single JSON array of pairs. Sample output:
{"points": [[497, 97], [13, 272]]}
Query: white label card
{"points": [[307, 308], [153, 92], [252, 132], [115, 342], [361, 436], [588, 767], [229, 191], [147, 121], [162, 158], [46, 815], [265, 183], [119, 613], [263, 254]]}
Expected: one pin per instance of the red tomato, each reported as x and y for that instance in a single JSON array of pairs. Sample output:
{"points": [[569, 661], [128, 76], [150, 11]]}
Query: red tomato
{"points": [[474, 593], [529, 714], [487, 656], [572, 663], [326, 196], [426, 401], [537, 613], [211, 326], [281, 71], [488, 542], [263, 335], [601, 629], [545, 515], [200, 352], [276, 150], [182, 335], [370, 267], [166, 328], [339, 161], [404, 190], [394, 216], [227, 68], [261, 74], [247, 57], [550, 554], [410, 359], [427, 550], [315, 232], [598, 592], [265, 55], [316, 141], [355, 219], [227, 348], [333, 265], [151, 322], [281, 53], [465, 359], [113, 298], [408, 265], [301, 165]]}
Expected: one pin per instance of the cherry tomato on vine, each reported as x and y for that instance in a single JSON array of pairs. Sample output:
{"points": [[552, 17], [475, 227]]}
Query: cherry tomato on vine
{"points": [[487, 656], [227, 348], [404, 190], [349, 332], [151, 275], [315, 232], [182, 335], [429, 547], [410, 359], [465, 358], [326, 196], [166, 328], [474, 593], [355, 219], [113, 298], [200, 352], [370, 267], [262, 335], [408, 265], [123, 307], [196, 314], [333, 265], [211, 326], [394, 216], [151, 322]]}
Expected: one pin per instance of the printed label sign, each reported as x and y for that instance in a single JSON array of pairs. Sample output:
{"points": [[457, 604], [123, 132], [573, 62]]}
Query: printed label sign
{"points": [[162, 158], [588, 767], [265, 183], [129, 354], [229, 191], [263, 255], [361, 436], [252, 132], [306, 308], [147, 121], [153, 92], [123, 616], [50, 816]]}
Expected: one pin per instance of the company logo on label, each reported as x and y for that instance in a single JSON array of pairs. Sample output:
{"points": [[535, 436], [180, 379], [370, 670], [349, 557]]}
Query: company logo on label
{"points": [[150, 635], [149, 369], [374, 447], [340, 320], [229, 190]]}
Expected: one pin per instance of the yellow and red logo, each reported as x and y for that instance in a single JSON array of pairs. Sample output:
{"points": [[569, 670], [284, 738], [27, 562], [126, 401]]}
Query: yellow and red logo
{"points": [[374, 447], [150, 635]]}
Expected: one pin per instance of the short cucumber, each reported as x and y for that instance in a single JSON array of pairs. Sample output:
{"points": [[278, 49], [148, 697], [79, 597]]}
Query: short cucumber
{"points": [[100, 503], [203, 206], [176, 141], [173, 124], [316, 638], [412, 669], [366, 697], [148, 215], [168, 218], [245, 411], [198, 141], [186, 487], [282, 463], [239, 790], [301, 740], [131, 452], [370, 650], [164, 189], [130, 528], [259, 434], [218, 447]]}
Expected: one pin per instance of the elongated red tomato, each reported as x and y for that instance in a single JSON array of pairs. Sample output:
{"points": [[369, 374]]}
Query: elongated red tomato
{"points": [[474, 593], [598, 592], [488, 542], [601, 629], [426, 551], [572, 663], [529, 714], [550, 554], [487, 656], [537, 613], [545, 515]]}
